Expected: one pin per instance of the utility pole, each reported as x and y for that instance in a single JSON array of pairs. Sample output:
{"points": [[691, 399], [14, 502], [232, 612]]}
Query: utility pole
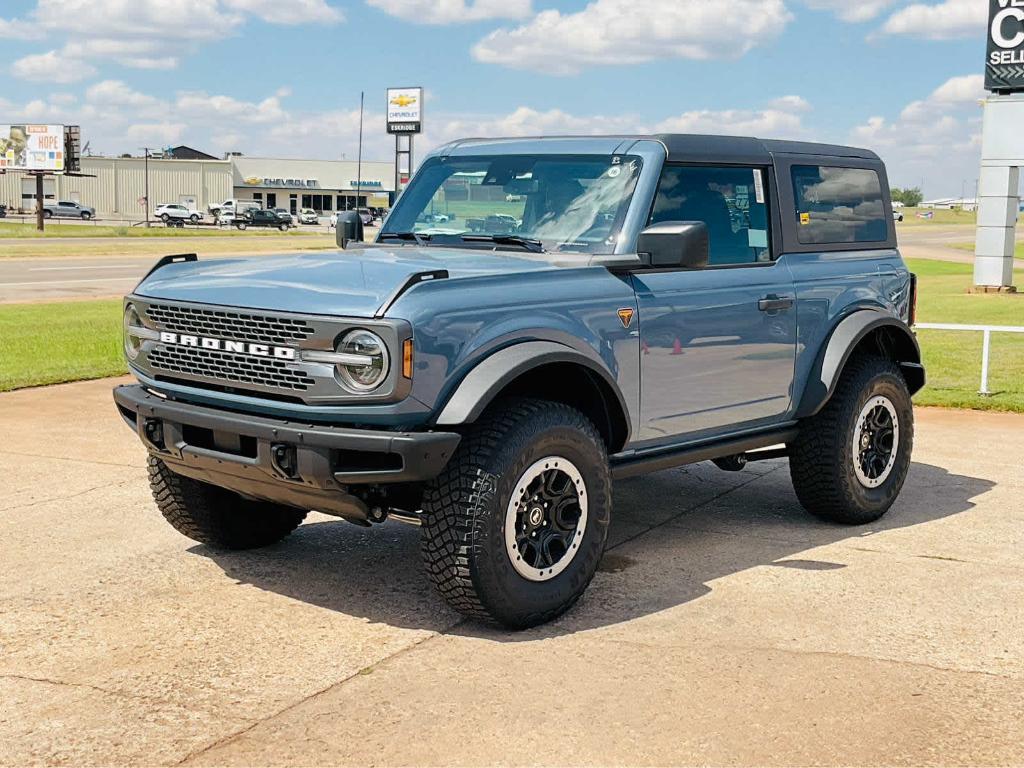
{"points": [[145, 194], [39, 201], [359, 162]]}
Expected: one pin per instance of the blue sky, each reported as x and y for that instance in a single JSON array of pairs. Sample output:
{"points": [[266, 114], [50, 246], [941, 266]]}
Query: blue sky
{"points": [[282, 77]]}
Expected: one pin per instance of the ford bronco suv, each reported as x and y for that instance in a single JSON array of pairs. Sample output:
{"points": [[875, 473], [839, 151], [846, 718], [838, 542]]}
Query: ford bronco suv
{"points": [[535, 319]]}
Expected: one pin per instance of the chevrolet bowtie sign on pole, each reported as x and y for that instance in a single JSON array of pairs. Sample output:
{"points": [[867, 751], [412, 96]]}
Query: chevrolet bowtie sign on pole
{"points": [[405, 119], [1002, 148]]}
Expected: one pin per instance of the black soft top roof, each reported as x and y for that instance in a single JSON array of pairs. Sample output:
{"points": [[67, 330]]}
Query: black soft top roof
{"points": [[689, 147]]}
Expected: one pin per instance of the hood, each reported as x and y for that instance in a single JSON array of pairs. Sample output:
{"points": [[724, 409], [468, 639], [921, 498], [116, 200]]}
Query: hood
{"points": [[350, 283]]}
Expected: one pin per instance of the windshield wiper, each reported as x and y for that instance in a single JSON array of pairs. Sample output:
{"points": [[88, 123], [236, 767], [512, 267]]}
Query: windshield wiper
{"points": [[420, 239], [534, 246]]}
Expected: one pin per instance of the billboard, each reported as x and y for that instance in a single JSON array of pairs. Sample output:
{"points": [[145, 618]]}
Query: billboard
{"points": [[27, 147], [405, 110], [1004, 61]]}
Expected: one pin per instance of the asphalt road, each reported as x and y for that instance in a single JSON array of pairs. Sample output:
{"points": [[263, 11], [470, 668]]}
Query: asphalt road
{"points": [[84, 277], [725, 625]]}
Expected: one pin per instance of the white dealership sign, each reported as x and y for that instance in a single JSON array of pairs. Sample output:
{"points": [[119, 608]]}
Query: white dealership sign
{"points": [[405, 110], [26, 147]]}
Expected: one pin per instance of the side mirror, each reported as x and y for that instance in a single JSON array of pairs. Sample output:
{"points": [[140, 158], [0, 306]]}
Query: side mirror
{"points": [[674, 244], [349, 229]]}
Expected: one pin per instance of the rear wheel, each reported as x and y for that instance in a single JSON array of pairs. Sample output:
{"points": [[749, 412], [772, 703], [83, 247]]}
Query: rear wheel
{"points": [[165, 217], [218, 517], [515, 526], [47, 214], [194, 218], [283, 227], [850, 460], [241, 225]]}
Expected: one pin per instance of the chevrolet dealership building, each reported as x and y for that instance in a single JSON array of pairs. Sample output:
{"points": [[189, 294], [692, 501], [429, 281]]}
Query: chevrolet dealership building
{"points": [[116, 186]]}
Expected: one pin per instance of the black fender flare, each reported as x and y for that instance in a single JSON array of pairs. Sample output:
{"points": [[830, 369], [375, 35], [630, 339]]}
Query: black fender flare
{"points": [[491, 375], [848, 333]]}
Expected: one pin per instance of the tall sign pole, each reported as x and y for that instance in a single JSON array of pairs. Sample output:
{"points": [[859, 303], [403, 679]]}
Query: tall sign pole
{"points": [[359, 161], [1002, 148], [405, 120]]}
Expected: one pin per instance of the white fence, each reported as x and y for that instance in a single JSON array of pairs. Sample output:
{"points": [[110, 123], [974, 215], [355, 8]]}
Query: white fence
{"points": [[987, 331]]}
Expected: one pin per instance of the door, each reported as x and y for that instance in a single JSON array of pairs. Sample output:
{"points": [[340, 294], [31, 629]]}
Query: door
{"points": [[717, 345]]}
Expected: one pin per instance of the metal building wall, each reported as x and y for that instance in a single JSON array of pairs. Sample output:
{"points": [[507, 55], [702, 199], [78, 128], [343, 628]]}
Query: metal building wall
{"points": [[120, 183]]}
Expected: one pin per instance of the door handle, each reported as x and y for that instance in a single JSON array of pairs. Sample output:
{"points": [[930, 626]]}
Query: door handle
{"points": [[773, 303]]}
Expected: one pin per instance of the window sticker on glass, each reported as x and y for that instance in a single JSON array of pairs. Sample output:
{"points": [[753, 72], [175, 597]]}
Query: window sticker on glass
{"points": [[757, 238], [758, 185], [805, 218]]}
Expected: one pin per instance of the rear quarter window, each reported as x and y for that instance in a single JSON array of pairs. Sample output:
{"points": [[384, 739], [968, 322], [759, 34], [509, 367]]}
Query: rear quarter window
{"points": [[838, 205]]}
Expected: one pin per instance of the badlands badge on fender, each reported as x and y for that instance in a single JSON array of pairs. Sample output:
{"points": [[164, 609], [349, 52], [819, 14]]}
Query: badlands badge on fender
{"points": [[626, 316]]}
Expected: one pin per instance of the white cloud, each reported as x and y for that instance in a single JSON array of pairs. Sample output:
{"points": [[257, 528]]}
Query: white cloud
{"points": [[768, 123], [150, 34], [851, 10], [453, 11], [52, 67], [943, 21], [289, 13], [790, 104], [155, 134], [936, 139], [611, 32]]}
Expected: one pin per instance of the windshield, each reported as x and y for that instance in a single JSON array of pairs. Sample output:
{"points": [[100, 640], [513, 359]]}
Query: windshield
{"points": [[536, 202]]}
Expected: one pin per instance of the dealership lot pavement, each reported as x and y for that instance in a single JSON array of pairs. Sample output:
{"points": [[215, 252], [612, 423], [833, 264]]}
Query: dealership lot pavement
{"points": [[725, 625]]}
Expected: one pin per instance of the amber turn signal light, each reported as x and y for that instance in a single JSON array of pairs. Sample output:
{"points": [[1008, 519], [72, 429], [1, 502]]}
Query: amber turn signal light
{"points": [[407, 358]]}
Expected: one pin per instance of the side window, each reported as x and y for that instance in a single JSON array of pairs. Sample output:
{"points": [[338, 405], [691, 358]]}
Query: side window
{"points": [[729, 200], [838, 205]]}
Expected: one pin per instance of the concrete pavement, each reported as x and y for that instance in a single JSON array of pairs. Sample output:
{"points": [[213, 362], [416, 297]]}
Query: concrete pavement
{"points": [[726, 626]]}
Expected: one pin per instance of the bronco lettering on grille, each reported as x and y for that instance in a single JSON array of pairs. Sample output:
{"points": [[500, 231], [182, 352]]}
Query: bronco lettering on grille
{"points": [[239, 347]]}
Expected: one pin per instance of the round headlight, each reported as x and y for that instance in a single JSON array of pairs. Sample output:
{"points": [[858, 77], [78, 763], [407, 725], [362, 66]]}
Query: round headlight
{"points": [[132, 343], [369, 372]]}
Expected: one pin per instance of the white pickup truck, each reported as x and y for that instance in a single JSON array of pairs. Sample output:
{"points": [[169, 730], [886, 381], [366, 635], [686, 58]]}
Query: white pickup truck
{"points": [[233, 205]]}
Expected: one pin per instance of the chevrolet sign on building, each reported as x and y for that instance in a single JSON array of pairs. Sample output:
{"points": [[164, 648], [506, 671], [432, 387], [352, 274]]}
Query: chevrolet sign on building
{"points": [[324, 186]]}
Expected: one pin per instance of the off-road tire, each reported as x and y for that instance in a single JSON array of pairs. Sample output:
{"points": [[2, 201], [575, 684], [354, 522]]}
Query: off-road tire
{"points": [[218, 517], [821, 460], [464, 511]]}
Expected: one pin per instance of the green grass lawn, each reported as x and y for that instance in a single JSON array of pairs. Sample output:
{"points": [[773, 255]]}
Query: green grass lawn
{"points": [[939, 216], [953, 358], [56, 342], [51, 343]]}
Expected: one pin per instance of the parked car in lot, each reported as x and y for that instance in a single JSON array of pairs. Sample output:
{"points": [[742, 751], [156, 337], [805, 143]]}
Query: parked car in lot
{"points": [[167, 211], [68, 209], [308, 216], [262, 218], [897, 214], [3, 211], [491, 385], [286, 215]]}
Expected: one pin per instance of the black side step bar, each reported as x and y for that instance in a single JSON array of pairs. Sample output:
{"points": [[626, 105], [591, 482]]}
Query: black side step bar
{"points": [[633, 465]]}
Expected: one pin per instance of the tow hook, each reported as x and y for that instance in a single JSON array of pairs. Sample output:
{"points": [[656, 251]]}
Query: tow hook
{"points": [[285, 460]]}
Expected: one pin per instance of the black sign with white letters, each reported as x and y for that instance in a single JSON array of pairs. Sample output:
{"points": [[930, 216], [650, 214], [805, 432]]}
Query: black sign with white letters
{"points": [[1004, 64]]}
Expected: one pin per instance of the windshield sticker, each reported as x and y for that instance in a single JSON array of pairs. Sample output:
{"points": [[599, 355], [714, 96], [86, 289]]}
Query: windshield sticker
{"points": [[758, 186], [614, 171]]}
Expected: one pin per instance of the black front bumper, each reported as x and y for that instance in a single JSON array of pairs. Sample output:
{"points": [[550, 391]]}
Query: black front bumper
{"points": [[303, 465]]}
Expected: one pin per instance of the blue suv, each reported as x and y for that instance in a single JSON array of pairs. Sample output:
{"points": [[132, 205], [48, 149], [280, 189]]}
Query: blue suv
{"points": [[535, 319]]}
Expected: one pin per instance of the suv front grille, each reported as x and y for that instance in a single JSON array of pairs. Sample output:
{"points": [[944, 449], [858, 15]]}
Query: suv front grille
{"points": [[229, 324], [226, 366]]}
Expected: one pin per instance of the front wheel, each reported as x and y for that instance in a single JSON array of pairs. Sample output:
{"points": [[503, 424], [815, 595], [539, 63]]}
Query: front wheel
{"points": [[218, 517], [194, 218], [86, 215], [516, 524], [850, 460], [47, 214], [283, 227]]}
